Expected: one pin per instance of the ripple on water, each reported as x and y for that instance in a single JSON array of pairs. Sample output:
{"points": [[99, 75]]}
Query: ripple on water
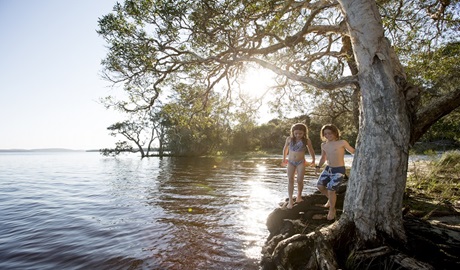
{"points": [[84, 211]]}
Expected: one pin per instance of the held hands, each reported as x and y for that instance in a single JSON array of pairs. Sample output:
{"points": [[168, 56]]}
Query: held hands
{"points": [[317, 170], [284, 163], [309, 164]]}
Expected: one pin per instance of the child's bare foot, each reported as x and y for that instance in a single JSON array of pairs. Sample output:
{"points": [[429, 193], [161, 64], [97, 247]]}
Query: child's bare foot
{"points": [[326, 205], [290, 204], [331, 214], [299, 199]]}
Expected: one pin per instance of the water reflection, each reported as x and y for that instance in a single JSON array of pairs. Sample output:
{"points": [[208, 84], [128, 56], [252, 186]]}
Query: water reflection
{"points": [[84, 211], [202, 199]]}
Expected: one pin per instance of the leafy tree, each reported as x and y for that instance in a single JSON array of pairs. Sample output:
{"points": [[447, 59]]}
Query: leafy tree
{"points": [[159, 125], [438, 74], [143, 130], [120, 147], [132, 131], [338, 108], [272, 135], [326, 45], [243, 133], [197, 123]]}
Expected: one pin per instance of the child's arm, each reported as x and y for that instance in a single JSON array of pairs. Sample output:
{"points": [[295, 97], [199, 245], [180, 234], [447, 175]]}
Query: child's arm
{"points": [[322, 160], [348, 147], [285, 151], [311, 152]]}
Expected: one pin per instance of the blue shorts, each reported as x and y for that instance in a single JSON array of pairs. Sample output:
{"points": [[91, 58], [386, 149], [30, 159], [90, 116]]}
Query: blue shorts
{"points": [[331, 177]]}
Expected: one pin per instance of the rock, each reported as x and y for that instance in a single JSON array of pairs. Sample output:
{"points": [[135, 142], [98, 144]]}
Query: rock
{"points": [[431, 244]]}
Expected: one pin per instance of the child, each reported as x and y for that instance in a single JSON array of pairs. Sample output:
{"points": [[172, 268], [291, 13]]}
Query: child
{"points": [[295, 148], [332, 150]]}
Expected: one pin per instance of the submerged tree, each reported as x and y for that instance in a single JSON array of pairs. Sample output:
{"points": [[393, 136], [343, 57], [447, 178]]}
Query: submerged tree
{"points": [[161, 44], [142, 130], [134, 132]]}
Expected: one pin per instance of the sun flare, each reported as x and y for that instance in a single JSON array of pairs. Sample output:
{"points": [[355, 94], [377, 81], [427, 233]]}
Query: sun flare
{"points": [[257, 81]]}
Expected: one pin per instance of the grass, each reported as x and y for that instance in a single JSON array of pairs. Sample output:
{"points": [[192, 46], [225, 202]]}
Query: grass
{"points": [[434, 184], [432, 189]]}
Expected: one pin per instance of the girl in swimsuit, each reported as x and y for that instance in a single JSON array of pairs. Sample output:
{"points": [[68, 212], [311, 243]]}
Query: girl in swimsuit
{"points": [[294, 157]]}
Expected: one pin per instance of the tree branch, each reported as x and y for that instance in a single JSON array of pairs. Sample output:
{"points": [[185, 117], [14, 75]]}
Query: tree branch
{"points": [[434, 111], [342, 82]]}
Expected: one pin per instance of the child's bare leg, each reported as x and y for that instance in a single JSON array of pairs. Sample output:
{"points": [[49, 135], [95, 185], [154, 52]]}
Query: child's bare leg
{"points": [[323, 191], [290, 172], [299, 191], [300, 177], [332, 200], [290, 192]]}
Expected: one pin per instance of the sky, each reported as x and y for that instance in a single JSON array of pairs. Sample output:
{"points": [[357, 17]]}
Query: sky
{"points": [[50, 75]]}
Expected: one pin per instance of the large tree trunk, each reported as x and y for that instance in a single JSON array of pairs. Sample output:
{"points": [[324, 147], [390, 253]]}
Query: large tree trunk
{"points": [[370, 227], [373, 201]]}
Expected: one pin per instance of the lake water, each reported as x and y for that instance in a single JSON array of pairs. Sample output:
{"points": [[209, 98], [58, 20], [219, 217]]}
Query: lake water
{"points": [[84, 211]]}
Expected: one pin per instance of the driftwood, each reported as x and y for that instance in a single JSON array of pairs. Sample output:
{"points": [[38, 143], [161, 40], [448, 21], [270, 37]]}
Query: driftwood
{"points": [[302, 238]]}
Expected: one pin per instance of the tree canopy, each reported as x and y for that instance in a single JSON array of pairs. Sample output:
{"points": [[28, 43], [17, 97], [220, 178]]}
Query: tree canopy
{"points": [[160, 48]]}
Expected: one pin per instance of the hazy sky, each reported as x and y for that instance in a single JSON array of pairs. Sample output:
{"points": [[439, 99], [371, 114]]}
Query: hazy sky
{"points": [[50, 82], [50, 79]]}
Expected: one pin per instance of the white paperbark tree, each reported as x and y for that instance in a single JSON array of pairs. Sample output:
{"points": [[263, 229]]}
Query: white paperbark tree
{"points": [[377, 182]]}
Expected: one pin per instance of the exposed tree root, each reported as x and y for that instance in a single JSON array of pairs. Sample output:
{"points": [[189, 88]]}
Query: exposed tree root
{"points": [[309, 241]]}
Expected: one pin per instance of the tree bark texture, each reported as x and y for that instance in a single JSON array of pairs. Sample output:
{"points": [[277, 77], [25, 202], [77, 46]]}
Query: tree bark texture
{"points": [[377, 181]]}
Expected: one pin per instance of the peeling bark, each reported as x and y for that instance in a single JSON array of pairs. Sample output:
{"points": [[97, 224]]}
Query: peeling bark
{"points": [[378, 178]]}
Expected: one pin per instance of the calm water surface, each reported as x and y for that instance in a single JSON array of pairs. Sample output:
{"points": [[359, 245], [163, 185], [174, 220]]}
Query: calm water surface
{"points": [[83, 211]]}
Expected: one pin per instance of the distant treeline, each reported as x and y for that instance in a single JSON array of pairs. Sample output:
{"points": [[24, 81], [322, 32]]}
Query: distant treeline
{"points": [[40, 150], [270, 137]]}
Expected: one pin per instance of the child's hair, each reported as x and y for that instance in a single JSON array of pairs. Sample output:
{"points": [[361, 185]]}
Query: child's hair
{"points": [[332, 128], [301, 127]]}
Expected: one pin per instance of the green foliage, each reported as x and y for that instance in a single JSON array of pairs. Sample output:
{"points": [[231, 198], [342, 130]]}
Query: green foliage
{"points": [[339, 108], [439, 73], [120, 147], [445, 133], [196, 124], [419, 26], [181, 59], [271, 136]]}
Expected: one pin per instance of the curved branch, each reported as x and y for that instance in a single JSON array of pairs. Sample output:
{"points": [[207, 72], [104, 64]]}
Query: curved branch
{"points": [[431, 113], [342, 82]]}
